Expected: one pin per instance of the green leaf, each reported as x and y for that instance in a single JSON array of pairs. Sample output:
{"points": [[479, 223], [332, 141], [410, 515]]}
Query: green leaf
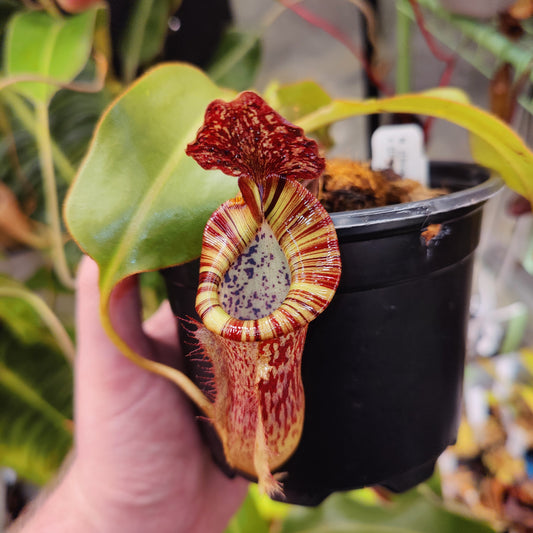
{"points": [[414, 512], [73, 116], [21, 318], [494, 144], [36, 400], [40, 45], [145, 34], [43, 371], [25, 313], [237, 59], [138, 202], [297, 100]]}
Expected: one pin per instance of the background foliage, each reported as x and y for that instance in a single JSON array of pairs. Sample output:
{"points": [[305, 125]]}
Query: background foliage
{"points": [[135, 196]]}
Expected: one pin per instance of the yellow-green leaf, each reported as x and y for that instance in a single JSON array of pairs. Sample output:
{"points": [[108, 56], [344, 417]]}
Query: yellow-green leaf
{"points": [[494, 144], [36, 400], [297, 100], [43, 46]]}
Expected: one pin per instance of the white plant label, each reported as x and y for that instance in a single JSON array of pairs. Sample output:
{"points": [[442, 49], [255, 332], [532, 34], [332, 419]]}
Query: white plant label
{"points": [[401, 147]]}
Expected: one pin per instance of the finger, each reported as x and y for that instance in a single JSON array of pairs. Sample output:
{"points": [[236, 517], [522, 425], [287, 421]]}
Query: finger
{"points": [[124, 309], [107, 383], [88, 326], [161, 326]]}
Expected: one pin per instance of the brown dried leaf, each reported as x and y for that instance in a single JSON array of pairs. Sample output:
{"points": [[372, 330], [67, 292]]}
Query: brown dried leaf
{"points": [[15, 226], [522, 9]]}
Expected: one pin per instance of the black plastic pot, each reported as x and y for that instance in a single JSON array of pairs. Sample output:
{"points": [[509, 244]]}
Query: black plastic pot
{"points": [[383, 365]]}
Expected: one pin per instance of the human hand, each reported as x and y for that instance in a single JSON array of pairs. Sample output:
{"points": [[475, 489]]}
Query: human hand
{"points": [[139, 461]]}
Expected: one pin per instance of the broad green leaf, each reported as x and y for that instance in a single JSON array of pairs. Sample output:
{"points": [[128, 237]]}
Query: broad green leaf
{"points": [[138, 202], [29, 317], [494, 144], [236, 60], [297, 100], [21, 318], [36, 400], [42, 368], [145, 33], [417, 511], [40, 45], [73, 116]]}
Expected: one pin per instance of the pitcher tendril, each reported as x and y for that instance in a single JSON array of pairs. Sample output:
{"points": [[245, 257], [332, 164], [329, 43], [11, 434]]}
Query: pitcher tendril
{"points": [[269, 265]]}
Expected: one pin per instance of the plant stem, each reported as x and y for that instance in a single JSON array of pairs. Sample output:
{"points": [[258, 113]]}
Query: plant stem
{"points": [[323, 24], [447, 59], [50, 193], [403, 43], [27, 119], [47, 316], [50, 7], [135, 38]]}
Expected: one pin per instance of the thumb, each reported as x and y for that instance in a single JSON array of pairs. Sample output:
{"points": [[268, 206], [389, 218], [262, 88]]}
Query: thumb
{"points": [[107, 383]]}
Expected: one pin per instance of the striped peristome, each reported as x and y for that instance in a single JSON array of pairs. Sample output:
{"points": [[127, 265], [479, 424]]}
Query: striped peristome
{"points": [[306, 237], [256, 362]]}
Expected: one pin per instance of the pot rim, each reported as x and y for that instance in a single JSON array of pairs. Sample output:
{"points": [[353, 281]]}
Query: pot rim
{"points": [[410, 213]]}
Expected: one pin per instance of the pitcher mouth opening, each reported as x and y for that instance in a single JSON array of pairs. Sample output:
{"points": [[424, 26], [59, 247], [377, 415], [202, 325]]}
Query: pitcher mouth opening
{"points": [[305, 237]]}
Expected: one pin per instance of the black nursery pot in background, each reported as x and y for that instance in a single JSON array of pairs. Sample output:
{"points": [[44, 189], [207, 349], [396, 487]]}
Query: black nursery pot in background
{"points": [[383, 365]]}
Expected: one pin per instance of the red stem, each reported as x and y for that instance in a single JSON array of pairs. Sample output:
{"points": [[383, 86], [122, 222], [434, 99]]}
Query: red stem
{"points": [[448, 59], [430, 41], [338, 35]]}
